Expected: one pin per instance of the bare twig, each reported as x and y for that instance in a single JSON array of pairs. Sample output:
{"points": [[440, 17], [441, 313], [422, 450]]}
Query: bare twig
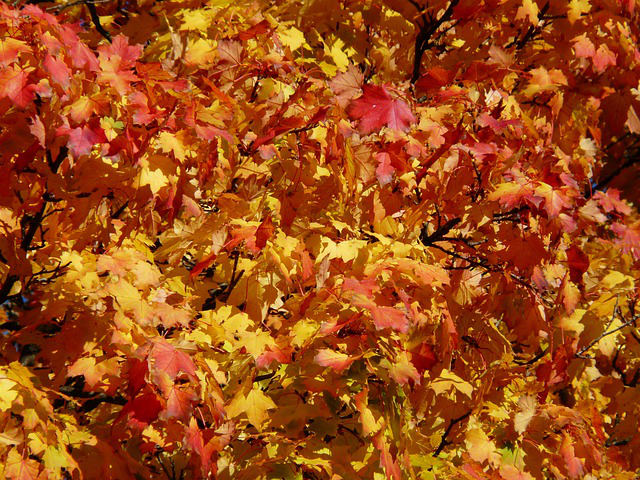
{"points": [[581, 353], [95, 18], [439, 233], [631, 161], [443, 440], [64, 6], [428, 27]]}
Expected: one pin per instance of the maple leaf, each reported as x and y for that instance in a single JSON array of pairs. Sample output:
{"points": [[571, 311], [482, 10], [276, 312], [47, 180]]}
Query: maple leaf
{"points": [[385, 170], [578, 263], [10, 49], [435, 78], [389, 317], [603, 58], [141, 411], [402, 370], [480, 447], [424, 358], [335, 360], [376, 108], [58, 70], [82, 139], [346, 85], [14, 85], [575, 468], [369, 423], [527, 405], [264, 232], [116, 62], [628, 237], [19, 467], [387, 459], [252, 403], [179, 402], [168, 359]]}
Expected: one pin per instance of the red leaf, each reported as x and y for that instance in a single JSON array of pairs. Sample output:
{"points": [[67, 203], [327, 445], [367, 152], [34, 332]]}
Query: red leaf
{"points": [[120, 47], [287, 211], [376, 108], [203, 264], [486, 120], [264, 232], [209, 133], [628, 238], [14, 86], [142, 410], [384, 171], [384, 317], [258, 29], [179, 402], [423, 358], [578, 263], [274, 354], [58, 70], [435, 78], [166, 358], [574, 464], [82, 139], [137, 376], [335, 360], [363, 287]]}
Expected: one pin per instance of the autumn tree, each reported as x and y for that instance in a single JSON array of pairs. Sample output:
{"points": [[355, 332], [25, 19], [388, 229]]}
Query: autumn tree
{"points": [[319, 239]]}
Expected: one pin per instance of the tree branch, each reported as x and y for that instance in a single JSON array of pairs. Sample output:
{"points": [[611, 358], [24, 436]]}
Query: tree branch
{"points": [[443, 440], [95, 18], [440, 232], [632, 160], [429, 26], [581, 353]]}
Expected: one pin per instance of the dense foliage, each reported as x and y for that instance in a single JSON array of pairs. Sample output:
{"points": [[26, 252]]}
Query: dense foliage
{"points": [[319, 239]]}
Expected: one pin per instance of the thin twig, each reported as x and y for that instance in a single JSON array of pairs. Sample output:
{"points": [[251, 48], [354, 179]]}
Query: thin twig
{"points": [[580, 353], [632, 160], [428, 27], [95, 18], [64, 6], [443, 440]]}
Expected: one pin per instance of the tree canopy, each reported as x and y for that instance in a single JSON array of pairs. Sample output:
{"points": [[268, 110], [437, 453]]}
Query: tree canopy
{"points": [[319, 239]]}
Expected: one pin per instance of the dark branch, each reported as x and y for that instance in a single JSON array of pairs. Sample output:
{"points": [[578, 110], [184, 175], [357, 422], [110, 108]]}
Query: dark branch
{"points": [[440, 232], [633, 160], [443, 440], [95, 18], [428, 27]]}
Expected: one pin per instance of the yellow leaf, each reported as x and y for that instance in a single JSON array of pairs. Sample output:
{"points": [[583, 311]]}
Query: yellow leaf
{"points": [[200, 52], [447, 380], [403, 370], [125, 294], [7, 393], [479, 446], [577, 8], [255, 343], [154, 178], [529, 9], [617, 281], [527, 405], [572, 323], [336, 52], [292, 38], [170, 142], [254, 404], [196, 20], [55, 459], [18, 467]]}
